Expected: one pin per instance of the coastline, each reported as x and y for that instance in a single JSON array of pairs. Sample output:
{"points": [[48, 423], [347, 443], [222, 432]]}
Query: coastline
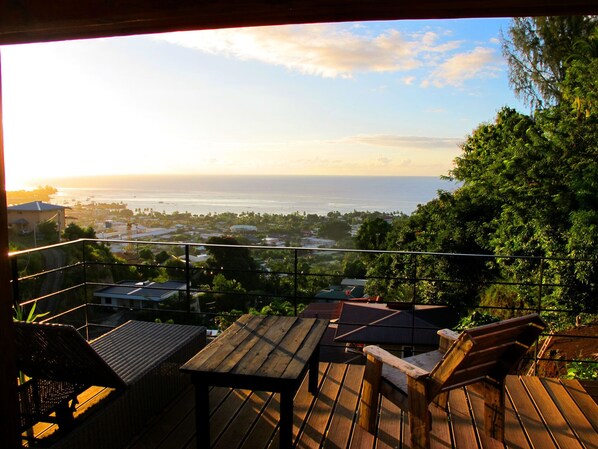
{"points": [[252, 193]]}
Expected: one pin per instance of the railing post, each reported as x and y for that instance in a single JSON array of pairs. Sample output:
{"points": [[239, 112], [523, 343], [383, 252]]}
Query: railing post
{"points": [[413, 303], [295, 279], [16, 296], [84, 257], [539, 310], [540, 284], [188, 281]]}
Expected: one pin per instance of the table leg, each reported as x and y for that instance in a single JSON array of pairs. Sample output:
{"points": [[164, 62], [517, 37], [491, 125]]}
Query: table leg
{"points": [[314, 366], [286, 419], [202, 415]]}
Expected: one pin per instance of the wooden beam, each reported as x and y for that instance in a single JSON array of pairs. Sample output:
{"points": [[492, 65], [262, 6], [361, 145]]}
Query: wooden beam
{"points": [[23, 21], [9, 406]]}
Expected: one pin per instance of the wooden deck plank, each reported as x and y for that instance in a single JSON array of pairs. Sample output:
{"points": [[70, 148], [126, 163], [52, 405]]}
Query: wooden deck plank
{"points": [[221, 418], [243, 421], [302, 404], [476, 402], [585, 403], [462, 420], [515, 436], [532, 422], [581, 427], [184, 433], [361, 438], [557, 425], [344, 417], [263, 429], [389, 426], [440, 438], [313, 431]]}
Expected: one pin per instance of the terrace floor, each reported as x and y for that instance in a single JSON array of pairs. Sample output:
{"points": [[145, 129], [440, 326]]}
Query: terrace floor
{"points": [[541, 413]]}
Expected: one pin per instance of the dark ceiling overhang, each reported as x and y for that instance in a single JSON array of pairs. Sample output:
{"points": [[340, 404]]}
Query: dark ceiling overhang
{"points": [[23, 21]]}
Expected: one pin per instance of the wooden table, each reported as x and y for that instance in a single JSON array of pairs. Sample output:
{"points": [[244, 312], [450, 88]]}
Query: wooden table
{"points": [[264, 353]]}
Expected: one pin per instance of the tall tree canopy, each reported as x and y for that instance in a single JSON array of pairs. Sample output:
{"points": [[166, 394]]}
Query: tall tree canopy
{"points": [[529, 185], [538, 51]]}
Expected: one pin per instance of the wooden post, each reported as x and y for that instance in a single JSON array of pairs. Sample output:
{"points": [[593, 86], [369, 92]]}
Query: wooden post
{"points": [[494, 411], [419, 418], [370, 395], [9, 405]]}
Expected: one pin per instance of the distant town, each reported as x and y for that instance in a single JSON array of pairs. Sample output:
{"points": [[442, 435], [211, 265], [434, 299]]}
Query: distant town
{"points": [[115, 221]]}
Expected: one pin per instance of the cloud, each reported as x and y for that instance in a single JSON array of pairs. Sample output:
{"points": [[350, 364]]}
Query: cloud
{"points": [[479, 63], [323, 49], [343, 51], [407, 142], [327, 50]]}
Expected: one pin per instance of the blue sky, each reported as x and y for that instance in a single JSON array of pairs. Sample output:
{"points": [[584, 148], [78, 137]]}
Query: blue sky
{"points": [[377, 98]]}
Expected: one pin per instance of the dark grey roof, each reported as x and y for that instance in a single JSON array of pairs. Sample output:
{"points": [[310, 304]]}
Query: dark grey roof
{"points": [[378, 324], [148, 291], [38, 206]]}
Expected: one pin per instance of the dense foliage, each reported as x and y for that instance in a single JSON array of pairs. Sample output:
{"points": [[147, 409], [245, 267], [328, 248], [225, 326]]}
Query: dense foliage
{"points": [[529, 187]]}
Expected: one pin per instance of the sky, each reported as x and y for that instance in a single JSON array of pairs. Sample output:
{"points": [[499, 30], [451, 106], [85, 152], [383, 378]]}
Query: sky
{"points": [[372, 98]]}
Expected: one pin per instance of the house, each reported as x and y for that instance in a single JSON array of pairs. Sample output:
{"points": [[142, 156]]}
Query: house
{"points": [[314, 242], [400, 329], [349, 289], [139, 295], [24, 218], [243, 229]]}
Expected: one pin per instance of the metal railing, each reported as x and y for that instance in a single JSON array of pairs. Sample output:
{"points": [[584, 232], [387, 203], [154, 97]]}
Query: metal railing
{"points": [[63, 280]]}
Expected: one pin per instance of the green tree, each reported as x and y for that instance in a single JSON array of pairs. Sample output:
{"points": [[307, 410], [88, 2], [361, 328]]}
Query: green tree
{"points": [[233, 261], [75, 232], [334, 229], [372, 234], [48, 231], [537, 50]]}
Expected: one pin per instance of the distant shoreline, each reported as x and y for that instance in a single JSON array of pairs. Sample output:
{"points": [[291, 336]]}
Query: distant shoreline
{"points": [[253, 193]]}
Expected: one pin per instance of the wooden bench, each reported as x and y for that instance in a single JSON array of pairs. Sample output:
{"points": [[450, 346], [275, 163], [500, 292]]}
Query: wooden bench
{"points": [[140, 360], [265, 353], [482, 356]]}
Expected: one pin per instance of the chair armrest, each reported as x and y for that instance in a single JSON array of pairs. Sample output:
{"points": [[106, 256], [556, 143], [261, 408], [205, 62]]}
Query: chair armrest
{"points": [[387, 358], [447, 337]]}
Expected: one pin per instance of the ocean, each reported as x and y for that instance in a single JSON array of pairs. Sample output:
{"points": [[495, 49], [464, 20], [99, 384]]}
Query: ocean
{"points": [[203, 194]]}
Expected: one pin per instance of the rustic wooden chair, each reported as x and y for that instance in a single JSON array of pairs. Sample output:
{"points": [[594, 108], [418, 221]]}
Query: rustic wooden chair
{"points": [[482, 356], [140, 360]]}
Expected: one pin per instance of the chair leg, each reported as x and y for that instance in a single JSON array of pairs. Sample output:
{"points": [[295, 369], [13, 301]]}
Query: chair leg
{"points": [[420, 422], [494, 412], [372, 378]]}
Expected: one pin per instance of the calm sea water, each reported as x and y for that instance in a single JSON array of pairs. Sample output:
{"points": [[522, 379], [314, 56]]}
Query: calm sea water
{"points": [[264, 194]]}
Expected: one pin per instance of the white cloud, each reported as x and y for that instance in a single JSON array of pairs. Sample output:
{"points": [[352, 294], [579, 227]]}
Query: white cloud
{"points": [[327, 50], [407, 142], [479, 63], [323, 50]]}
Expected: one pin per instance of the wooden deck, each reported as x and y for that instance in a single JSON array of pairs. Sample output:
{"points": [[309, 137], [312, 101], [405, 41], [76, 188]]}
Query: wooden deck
{"points": [[541, 413]]}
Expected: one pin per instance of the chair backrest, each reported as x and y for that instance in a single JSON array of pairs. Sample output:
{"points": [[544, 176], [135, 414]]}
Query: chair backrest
{"points": [[487, 352], [58, 352]]}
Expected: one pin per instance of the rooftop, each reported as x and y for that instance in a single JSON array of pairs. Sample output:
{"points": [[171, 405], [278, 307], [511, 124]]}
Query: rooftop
{"points": [[36, 206]]}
